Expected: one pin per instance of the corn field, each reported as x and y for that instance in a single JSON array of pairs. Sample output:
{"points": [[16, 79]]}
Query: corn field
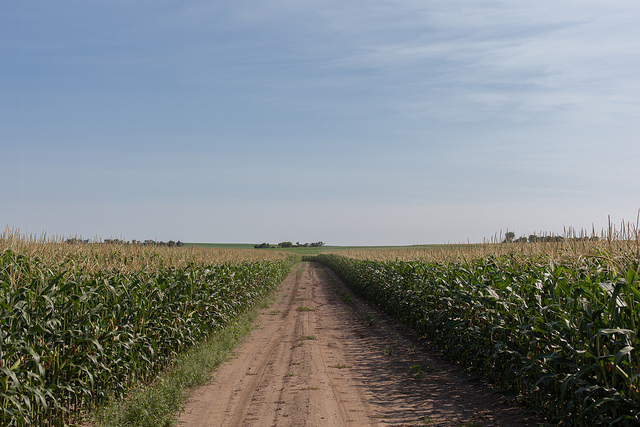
{"points": [[556, 327], [80, 324]]}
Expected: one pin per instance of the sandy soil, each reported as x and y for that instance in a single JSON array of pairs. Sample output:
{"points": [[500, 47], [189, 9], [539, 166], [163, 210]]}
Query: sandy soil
{"points": [[320, 357]]}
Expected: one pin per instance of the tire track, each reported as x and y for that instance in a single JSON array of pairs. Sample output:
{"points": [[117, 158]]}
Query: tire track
{"points": [[318, 359], [282, 375]]}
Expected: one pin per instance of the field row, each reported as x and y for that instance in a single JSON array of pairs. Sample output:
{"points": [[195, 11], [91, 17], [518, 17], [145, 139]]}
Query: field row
{"points": [[561, 335], [72, 337]]}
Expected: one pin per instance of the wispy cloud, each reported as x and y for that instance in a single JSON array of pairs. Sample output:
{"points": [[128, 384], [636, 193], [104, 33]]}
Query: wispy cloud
{"points": [[423, 107], [518, 58]]}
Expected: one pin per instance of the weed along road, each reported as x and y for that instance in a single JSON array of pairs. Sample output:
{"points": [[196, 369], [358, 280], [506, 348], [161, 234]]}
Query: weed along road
{"points": [[320, 357]]}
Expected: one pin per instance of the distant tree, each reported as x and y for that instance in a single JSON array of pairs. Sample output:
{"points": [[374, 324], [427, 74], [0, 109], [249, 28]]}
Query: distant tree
{"points": [[114, 241], [285, 245], [262, 246], [509, 235]]}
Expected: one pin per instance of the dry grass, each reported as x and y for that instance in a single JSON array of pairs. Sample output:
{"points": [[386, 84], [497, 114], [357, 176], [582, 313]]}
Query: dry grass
{"points": [[92, 257], [616, 245]]}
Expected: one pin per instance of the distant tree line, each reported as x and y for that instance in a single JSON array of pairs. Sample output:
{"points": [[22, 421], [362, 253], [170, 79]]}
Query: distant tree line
{"points": [[170, 243], [289, 245], [75, 240], [509, 237]]}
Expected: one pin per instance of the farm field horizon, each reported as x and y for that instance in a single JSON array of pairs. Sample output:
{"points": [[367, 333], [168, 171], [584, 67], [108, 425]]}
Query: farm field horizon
{"points": [[564, 312], [323, 248]]}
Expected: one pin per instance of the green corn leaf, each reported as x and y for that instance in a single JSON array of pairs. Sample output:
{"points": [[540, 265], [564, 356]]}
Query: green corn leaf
{"points": [[626, 350], [10, 373]]}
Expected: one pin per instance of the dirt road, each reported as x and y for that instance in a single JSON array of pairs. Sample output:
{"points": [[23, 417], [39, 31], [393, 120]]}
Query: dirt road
{"points": [[322, 358]]}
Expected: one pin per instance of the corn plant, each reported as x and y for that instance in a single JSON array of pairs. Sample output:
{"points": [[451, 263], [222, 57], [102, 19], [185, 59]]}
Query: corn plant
{"points": [[562, 334], [69, 338]]}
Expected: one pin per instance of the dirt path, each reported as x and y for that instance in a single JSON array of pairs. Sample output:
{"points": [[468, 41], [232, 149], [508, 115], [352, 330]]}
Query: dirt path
{"points": [[322, 358]]}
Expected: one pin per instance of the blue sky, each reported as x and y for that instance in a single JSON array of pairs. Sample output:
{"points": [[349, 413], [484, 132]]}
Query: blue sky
{"points": [[354, 123]]}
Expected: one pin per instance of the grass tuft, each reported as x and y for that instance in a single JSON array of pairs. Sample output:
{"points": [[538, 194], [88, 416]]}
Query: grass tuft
{"points": [[157, 405]]}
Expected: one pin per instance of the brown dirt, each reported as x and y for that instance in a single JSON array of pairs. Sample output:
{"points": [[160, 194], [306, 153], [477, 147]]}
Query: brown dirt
{"points": [[339, 362]]}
